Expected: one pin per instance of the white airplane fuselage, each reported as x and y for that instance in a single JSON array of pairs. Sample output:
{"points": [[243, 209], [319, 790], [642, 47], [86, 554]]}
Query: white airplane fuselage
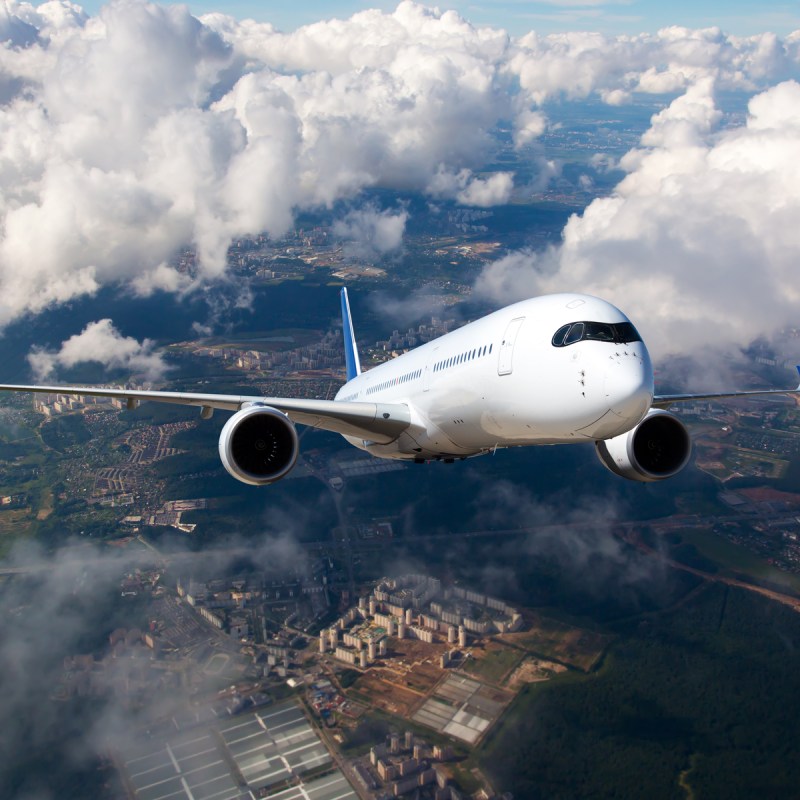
{"points": [[502, 382]]}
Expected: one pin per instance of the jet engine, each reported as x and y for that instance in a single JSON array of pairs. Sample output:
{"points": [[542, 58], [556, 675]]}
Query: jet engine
{"points": [[657, 448], [258, 445]]}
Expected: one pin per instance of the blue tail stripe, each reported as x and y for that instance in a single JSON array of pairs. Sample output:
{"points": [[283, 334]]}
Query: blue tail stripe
{"points": [[350, 353]]}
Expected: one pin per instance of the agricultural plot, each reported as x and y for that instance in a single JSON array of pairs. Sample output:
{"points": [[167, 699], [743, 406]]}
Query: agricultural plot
{"points": [[463, 708], [275, 747]]}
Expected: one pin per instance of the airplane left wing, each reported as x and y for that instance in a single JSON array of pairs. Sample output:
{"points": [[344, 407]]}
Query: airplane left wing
{"points": [[380, 422], [666, 400]]}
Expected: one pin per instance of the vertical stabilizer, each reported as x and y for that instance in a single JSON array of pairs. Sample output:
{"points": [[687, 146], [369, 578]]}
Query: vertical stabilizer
{"points": [[350, 352]]}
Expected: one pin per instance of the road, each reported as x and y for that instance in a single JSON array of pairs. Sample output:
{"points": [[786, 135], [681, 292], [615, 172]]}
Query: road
{"points": [[785, 599]]}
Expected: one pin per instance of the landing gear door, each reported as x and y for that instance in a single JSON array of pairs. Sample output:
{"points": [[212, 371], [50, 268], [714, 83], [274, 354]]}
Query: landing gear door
{"points": [[506, 358]]}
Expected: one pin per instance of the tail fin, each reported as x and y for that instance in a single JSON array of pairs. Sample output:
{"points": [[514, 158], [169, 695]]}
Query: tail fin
{"points": [[350, 353]]}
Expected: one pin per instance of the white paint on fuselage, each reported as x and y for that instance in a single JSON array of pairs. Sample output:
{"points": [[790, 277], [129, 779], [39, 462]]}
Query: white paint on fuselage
{"points": [[462, 405]]}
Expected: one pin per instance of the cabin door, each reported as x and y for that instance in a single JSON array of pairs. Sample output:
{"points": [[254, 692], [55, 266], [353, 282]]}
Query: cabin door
{"points": [[505, 361]]}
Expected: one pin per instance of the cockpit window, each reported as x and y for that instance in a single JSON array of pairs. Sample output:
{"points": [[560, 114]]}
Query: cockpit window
{"points": [[558, 336], [617, 333], [575, 333]]}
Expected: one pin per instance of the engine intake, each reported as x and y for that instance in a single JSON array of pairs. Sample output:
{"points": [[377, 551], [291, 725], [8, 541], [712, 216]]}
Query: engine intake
{"points": [[657, 448], [258, 445]]}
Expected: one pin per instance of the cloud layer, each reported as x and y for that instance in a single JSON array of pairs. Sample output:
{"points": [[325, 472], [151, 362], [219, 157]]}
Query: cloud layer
{"points": [[129, 135], [697, 242]]}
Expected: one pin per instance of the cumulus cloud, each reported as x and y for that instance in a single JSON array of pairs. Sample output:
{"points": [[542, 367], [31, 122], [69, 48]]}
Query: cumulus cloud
{"points": [[470, 190], [371, 233], [127, 136], [698, 243], [100, 342], [579, 64], [485, 192]]}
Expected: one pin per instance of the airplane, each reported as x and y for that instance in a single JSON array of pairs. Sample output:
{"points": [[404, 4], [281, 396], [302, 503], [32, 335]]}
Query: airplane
{"points": [[555, 369]]}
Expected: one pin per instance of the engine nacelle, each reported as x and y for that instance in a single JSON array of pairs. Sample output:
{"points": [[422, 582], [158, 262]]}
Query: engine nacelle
{"points": [[657, 448], [258, 445]]}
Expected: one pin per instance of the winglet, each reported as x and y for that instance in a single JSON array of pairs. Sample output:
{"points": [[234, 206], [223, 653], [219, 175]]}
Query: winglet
{"points": [[350, 353]]}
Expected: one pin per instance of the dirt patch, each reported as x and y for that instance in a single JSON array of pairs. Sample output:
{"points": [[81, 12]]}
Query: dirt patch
{"points": [[533, 670], [388, 697], [413, 665]]}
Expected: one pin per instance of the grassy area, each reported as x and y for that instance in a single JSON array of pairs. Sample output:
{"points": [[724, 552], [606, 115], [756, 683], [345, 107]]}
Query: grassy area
{"points": [[733, 559], [754, 462], [494, 663], [14, 524], [561, 642]]}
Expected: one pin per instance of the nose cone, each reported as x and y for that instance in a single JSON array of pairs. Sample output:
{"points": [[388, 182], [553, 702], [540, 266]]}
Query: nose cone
{"points": [[629, 385]]}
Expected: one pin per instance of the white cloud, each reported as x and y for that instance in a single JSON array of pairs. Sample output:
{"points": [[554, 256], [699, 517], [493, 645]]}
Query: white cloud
{"points": [[578, 64], [132, 134], [127, 136], [371, 233], [14, 30], [100, 342], [484, 192], [699, 242], [423, 303], [529, 126], [161, 278], [470, 190]]}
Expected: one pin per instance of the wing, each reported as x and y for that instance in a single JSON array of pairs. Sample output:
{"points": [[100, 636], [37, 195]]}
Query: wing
{"points": [[666, 400], [380, 422]]}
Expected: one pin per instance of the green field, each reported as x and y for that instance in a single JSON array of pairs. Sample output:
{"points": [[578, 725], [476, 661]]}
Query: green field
{"points": [[495, 664], [733, 559]]}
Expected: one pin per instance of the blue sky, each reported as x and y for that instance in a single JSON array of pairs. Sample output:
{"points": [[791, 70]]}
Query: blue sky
{"points": [[740, 17]]}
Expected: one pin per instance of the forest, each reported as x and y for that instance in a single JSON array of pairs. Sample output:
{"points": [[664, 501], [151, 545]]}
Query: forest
{"points": [[697, 701]]}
